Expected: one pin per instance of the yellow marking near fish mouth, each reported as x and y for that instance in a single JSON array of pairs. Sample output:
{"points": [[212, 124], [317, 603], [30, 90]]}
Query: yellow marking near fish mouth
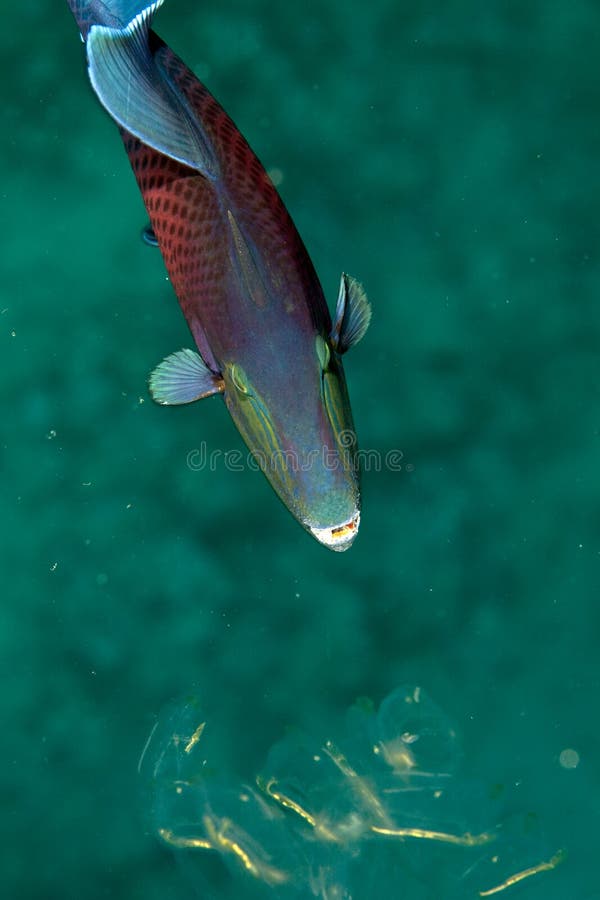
{"points": [[338, 537], [343, 531]]}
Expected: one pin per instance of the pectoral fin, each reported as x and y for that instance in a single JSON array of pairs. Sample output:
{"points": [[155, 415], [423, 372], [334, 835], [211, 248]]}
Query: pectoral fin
{"points": [[135, 91], [352, 314], [182, 378]]}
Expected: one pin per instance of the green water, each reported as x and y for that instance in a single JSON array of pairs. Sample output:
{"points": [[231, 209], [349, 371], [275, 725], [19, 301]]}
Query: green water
{"points": [[447, 155]]}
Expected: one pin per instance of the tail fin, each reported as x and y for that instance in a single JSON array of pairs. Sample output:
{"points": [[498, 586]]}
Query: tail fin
{"points": [[113, 13]]}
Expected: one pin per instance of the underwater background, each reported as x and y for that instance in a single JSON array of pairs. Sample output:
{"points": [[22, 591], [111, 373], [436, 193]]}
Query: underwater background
{"points": [[446, 154]]}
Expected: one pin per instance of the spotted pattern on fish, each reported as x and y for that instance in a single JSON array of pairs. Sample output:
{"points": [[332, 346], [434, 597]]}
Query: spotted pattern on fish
{"points": [[239, 269], [189, 213]]}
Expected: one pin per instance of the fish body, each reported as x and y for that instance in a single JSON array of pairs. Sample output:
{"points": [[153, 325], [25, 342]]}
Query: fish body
{"points": [[242, 275]]}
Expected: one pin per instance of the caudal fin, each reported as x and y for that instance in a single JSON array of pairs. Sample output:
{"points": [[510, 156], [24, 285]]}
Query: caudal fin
{"points": [[113, 13]]}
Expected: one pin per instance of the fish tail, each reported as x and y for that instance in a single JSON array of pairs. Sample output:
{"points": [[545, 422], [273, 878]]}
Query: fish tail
{"points": [[112, 13]]}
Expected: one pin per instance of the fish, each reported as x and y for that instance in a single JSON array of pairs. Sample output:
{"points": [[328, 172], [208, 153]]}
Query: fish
{"points": [[264, 337]]}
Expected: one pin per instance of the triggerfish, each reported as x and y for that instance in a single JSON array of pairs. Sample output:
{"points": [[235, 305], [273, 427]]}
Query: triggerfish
{"points": [[244, 280]]}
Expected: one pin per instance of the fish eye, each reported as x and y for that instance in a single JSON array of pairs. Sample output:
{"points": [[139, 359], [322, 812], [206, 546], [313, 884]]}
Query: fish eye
{"points": [[323, 352], [239, 380]]}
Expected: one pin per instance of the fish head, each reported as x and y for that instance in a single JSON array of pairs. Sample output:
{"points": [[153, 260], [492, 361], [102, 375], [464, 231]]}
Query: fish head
{"points": [[294, 415]]}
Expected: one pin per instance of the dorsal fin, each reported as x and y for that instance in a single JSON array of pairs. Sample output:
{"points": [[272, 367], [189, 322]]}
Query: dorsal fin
{"points": [[134, 89], [352, 314]]}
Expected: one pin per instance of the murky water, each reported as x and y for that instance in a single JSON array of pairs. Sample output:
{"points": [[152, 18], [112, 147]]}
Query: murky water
{"points": [[446, 155]]}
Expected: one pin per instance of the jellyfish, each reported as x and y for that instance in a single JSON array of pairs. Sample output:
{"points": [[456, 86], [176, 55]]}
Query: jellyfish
{"points": [[379, 807]]}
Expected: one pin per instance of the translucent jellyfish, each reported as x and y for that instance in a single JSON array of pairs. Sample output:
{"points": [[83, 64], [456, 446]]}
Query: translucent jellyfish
{"points": [[377, 808]]}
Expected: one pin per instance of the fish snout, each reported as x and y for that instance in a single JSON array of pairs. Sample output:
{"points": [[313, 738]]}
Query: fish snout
{"points": [[338, 537]]}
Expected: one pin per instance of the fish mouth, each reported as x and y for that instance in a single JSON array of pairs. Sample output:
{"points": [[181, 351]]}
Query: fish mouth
{"points": [[338, 537]]}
